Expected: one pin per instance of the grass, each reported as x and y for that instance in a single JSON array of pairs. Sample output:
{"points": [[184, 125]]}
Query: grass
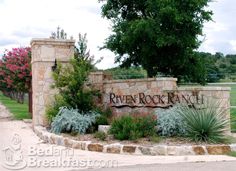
{"points": [[19, 111], [233, 95], [233, 119], [232, 154]]}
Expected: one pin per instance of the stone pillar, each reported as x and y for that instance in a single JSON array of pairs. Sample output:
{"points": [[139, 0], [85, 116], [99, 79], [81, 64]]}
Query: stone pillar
{"points": [[44, 53]]}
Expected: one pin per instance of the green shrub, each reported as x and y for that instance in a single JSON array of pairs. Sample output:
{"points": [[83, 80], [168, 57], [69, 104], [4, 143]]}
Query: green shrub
{"points": [[121, 128], [170, 122], [146, 125], [71, 120], [206, 123], [101, 120], [132, 128], [52, 110], [105, 116], [100, 135], [70, 81]]}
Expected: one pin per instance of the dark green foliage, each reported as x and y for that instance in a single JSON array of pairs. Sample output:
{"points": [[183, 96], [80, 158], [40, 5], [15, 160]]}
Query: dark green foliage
{"points": [[70, 81], [124, 129], [105, 116], [100, 135], [127, 73], [218, 66], [52, 110], [158, 35], [207, 123], [102, 120], [132, 128]]}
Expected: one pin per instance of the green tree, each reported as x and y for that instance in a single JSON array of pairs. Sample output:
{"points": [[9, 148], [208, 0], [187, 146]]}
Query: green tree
{"points": [[160, 35], [127, 73], [83, 54], [70, 80]]}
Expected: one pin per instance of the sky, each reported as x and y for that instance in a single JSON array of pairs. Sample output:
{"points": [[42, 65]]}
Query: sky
{"points": [[22, 20]]}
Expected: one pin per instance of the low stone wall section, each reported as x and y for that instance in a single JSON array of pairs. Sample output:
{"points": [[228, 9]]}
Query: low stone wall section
{"points": [[118, 148]]}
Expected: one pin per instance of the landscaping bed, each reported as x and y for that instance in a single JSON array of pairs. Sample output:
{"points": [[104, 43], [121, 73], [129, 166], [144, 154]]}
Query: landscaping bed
{"points": [[148, 141], [129, 147]]}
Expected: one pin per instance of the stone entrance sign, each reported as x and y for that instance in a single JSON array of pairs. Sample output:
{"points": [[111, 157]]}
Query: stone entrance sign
{"points": [[123, 96], [144, 95]]}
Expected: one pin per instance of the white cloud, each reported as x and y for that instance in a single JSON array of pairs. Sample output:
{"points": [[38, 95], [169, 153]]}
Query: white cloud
{"points": [[26, 19], [233, 44], [22, 20], [220, 31]]}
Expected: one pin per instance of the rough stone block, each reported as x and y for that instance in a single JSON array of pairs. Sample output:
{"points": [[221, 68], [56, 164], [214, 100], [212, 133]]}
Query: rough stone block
{"points": [[95, 147], [68, 142], [129, 149], [114, 149], [199, 150], [218, 149], [104, 128], [76, 145]]}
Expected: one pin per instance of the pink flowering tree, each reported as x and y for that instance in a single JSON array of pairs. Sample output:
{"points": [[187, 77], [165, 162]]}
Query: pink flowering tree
{"points": [[15, 73]]}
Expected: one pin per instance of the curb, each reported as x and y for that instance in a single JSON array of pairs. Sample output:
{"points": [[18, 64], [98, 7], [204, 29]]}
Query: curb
{"points": [[118, 148]]}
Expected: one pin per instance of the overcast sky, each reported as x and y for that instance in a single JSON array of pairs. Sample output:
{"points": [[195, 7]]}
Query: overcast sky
{"points": [[22, 20]]}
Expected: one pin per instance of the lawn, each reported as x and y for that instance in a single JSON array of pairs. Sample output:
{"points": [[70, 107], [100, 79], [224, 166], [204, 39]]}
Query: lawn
{"points": [[233, 119], [233, 95], [19, 111]]}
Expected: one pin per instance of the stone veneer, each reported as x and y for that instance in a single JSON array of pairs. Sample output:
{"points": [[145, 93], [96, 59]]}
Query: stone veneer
{"points": [[44, 53], [149, 86]]}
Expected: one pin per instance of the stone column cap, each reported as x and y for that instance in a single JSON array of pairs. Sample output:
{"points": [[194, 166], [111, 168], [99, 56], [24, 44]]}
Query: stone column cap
{"points": [[48, 41]]}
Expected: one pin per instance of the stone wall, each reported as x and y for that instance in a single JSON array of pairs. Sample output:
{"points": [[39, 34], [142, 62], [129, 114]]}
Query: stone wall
{"points": [[143, 96], [118, 94], [44, 53]]}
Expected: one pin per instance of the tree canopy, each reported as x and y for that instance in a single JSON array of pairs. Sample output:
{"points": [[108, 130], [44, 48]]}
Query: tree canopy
{"points": [[15, 72], [160, 35]]}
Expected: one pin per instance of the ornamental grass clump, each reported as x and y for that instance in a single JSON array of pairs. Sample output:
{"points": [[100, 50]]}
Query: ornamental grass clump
{"points": [[205, 123]]}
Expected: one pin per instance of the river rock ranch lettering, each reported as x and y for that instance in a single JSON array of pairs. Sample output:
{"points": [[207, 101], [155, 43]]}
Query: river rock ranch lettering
{"points": [[154, 100]]}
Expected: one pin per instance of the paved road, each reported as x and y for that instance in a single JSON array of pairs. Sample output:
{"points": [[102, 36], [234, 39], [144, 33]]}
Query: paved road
{"points": [[206, 166], [21, 149]]}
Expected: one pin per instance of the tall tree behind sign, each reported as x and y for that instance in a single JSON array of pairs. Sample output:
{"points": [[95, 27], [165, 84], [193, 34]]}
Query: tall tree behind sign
{"points": [[160, 35]]}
